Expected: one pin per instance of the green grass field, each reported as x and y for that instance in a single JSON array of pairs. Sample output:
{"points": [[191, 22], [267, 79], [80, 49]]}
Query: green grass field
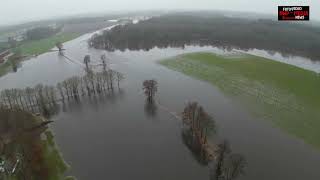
{"points": [[44, 45], [286, 95]]}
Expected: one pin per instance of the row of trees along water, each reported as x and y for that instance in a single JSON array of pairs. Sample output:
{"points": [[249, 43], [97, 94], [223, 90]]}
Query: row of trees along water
{"points": [[198, 128], [43, 98]]}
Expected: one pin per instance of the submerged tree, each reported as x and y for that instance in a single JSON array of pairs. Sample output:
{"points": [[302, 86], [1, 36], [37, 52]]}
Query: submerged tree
{"points": [[228, 166], [119, 77], [104, 62], [59, 45], [222, 152], [198, 125], [234, 166], [86, 61], [111, 77], [150, 87], [198, 119]]}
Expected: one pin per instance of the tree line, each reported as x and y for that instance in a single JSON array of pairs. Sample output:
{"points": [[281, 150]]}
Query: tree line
{"points": [[178, 30], [44, 98]]}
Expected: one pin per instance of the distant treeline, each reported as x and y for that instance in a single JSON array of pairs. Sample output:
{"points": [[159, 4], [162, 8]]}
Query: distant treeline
{"points": [[41, 32], [178, 30]]}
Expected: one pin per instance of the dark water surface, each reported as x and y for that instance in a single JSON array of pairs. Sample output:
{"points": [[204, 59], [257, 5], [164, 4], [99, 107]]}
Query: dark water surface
{"points": [[117, 138]]}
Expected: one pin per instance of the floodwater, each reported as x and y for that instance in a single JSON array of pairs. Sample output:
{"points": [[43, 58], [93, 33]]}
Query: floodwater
{"points": [[117, 137]]}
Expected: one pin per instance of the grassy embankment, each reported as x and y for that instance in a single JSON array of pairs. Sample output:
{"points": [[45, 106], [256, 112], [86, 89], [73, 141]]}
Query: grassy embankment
{"points": [[287, 95], [36, 47]]}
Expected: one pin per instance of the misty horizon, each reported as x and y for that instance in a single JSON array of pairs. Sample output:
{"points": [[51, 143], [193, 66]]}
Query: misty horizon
{"points": [[34, 10]]}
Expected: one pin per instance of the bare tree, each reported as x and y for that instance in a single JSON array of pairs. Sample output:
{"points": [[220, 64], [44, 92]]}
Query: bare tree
{"points": [[104, 62], [59, 45], [60, 89], [86, 61], [119, 77], [150, 88], [111, 75]]}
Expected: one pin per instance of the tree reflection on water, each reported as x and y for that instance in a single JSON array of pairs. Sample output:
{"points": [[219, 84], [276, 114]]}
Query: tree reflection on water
{"points": [[150, 108]]}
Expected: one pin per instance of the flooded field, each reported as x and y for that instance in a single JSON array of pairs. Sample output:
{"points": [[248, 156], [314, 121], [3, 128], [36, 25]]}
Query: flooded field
{"points": [[117, 137]]}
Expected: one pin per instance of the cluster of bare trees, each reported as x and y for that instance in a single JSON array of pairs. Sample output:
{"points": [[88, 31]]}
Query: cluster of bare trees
{"points": [[107, 75], [36, 99], [43, 98], [197, 126], [90, 84]]}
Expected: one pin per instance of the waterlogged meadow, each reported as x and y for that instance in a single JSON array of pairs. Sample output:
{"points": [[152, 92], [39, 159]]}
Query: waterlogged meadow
{"points": [[286, 95]]}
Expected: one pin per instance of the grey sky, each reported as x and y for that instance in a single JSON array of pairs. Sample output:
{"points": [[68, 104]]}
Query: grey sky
{"points": [[15, 11]]}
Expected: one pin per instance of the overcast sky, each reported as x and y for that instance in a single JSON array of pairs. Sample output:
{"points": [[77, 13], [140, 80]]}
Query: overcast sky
{"points": [[16, 11]]}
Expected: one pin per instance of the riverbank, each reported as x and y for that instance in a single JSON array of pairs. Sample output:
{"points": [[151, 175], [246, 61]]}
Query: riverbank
{"points": [[284, 94], [34, 48]]}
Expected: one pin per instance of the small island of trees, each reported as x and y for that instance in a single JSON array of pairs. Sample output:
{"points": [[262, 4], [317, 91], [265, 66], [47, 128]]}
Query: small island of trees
{"points": [[198, 126], [198, 129]]}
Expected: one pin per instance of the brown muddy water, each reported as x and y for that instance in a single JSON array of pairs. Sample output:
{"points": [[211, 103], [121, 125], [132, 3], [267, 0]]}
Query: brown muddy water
{"points": [[117, 138]]}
